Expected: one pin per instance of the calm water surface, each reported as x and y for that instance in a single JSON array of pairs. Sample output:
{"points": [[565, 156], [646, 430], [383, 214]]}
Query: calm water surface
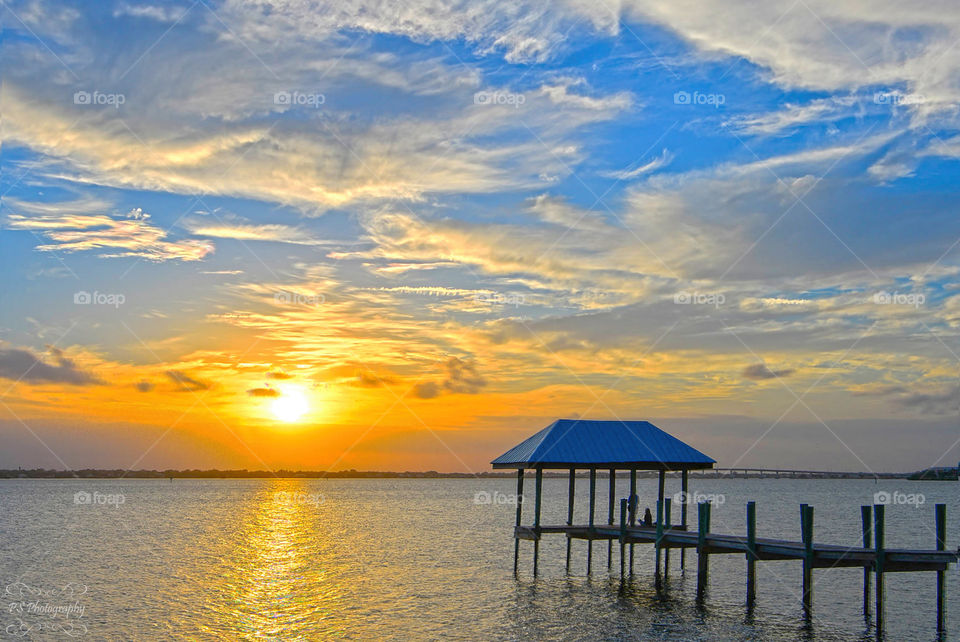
{"points": [[405, 559]]}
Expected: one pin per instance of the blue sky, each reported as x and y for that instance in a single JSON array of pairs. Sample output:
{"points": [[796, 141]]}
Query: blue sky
{"points": [[451, 223]]}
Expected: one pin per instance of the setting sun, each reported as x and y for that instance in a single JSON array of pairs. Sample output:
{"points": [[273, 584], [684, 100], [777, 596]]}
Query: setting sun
{"points": [[290, 406]]}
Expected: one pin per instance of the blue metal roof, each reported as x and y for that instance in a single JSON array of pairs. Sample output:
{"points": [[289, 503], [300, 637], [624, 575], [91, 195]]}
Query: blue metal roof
{"points": [[630, 444]]}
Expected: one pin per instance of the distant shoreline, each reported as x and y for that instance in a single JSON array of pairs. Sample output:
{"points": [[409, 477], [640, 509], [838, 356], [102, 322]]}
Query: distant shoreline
{"points": [[96, 473]]}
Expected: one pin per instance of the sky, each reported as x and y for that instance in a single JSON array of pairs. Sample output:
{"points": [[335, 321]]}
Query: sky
{"points": [[406, 235]]}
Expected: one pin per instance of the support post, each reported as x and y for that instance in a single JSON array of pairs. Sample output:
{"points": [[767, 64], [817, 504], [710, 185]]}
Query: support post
{"points": [[878, 563], [703, 561], [941, 516], [571, 491], [610, 510], [623, 534], [751, 554], [683, 518], [866, 524], [593, 504], [516, 538], [634, 502], [806, 530], [666, 523], [659, 537], [536, 522]]}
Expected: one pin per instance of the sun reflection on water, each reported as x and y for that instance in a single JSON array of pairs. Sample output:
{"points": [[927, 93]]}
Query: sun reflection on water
{"points": [[281, 582]]}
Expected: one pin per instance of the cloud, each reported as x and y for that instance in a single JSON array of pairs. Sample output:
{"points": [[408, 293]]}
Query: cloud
{"points": [[277, 374], [144, 385], [760, 371], [23, 365], [462, 376], [263, 392], [185, 383], [426, 390], [244, 231], [628, 174], [131, 236]]}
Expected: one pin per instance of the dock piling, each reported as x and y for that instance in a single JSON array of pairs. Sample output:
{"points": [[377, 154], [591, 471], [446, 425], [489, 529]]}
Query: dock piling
{"points": [[866, 522], [536, 521], [878, 563], [623, 534], [571, 492], [703, 560], [593, 504], [684, 483], [941, 517], [666, 521], [516, 538], [657, 542], [806, 530], [751, 553], [610, 510], [634, 501]]}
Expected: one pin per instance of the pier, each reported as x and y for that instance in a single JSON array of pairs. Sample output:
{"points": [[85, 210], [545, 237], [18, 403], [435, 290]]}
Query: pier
{"points": [[632, 446]]}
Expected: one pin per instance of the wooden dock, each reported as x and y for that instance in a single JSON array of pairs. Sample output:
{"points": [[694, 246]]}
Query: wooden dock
{"points": [[872, 555]]}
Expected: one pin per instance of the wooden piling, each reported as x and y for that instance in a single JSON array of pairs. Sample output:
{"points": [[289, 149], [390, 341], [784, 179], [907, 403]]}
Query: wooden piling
{"points": [[516, 538], [751, 554], [623, 534], [806, 530], [666, 521], [703, 560], [593, 503], [657, 541], [536, 521], [684, 483], [610, 509], [634, 501], [941, 517], [878, 563], [571, 491], [866, 523]]}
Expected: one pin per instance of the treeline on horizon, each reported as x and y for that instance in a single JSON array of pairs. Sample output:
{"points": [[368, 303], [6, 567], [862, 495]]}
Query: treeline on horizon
{"points": [[87, 473]]}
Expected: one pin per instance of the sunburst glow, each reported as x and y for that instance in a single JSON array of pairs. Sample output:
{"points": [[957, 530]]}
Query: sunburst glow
{"points": [[290, 406]]}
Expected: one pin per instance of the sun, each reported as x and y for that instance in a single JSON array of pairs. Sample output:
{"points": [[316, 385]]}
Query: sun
{"points": [[290, 406]]}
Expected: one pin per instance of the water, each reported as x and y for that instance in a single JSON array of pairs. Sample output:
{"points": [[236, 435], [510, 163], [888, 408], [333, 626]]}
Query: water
{"points": [[412, 559]]}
